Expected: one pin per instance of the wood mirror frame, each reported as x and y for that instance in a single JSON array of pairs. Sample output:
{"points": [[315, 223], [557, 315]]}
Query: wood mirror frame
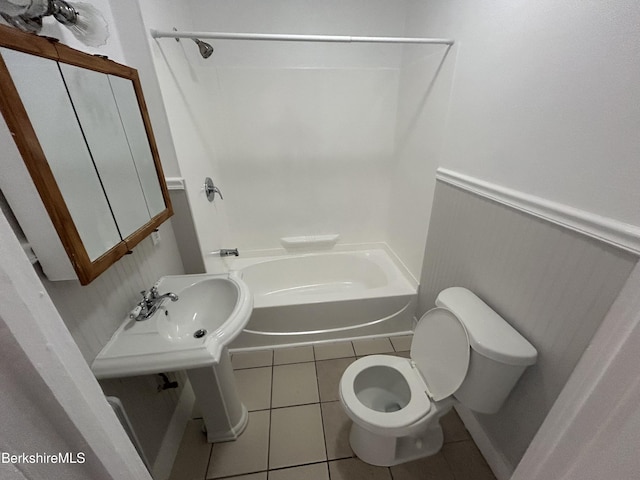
{"points": [[35, 159]]}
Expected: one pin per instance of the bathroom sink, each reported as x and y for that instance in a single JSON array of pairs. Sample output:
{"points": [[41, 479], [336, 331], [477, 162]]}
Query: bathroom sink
{"points": [[191, 332], [202, 307]]}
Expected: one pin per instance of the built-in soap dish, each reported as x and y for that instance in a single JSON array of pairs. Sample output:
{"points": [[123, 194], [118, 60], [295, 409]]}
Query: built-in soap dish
{"points": [[310, 242]]}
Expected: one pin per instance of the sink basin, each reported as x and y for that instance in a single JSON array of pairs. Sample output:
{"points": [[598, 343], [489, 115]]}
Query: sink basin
{"points": [[202, 308], [192, 332]]}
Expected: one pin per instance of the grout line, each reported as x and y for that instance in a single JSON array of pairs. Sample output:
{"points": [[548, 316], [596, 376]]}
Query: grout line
{"points": [[270, 416], [456, 441], [334, 358], [342, 458], [206, 470], [297, 405], [355, 354], [299, 465], [252, 368], [291, 363], [236, 475], [324, 433]]}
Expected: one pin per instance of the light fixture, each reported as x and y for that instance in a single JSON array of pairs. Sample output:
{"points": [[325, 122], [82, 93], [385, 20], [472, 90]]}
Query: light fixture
{"points": [[83, 20]]}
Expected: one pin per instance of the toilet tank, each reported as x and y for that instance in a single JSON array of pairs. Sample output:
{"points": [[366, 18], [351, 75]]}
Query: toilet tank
{"points": [[499, 354]]}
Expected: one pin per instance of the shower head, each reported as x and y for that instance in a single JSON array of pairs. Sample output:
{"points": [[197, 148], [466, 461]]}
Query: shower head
{"points": [[205, 49]]}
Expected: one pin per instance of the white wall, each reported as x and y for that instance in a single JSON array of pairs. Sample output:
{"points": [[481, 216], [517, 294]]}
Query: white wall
{"points": [[546, 98]]}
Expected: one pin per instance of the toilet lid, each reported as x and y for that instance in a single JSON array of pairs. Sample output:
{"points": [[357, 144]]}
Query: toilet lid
{"points": [[440, 350]]}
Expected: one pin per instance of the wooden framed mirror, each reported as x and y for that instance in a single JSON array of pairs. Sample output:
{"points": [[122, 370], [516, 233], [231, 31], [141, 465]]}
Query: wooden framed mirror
{"points": [[81, 126]]}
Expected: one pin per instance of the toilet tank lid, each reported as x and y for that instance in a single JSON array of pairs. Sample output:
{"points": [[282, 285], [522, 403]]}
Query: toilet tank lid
{"points": [[489, 333]]}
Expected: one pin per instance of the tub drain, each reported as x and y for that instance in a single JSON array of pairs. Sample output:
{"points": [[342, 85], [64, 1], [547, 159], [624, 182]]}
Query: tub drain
{"points": [[199, 333]]}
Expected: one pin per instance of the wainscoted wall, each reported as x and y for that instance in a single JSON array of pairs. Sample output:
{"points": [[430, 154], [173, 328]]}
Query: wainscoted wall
{"points": [[92, 313], [552, 284]]}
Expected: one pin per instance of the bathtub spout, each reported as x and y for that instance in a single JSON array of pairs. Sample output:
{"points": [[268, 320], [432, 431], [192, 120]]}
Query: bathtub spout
{"points": [[225, 252]]}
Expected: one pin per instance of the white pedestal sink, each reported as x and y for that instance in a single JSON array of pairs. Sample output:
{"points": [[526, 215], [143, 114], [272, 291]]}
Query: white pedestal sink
{"points": [[225, 416], [190, 334]]}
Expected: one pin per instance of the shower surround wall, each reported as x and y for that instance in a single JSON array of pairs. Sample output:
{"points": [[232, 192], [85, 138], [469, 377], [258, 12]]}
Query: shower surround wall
{"points": [[300, 137], [423, 97]]}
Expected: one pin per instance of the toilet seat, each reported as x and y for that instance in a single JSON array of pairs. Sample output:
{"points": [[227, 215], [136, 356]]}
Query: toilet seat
{"points": [[419, 404], [440, 353]]}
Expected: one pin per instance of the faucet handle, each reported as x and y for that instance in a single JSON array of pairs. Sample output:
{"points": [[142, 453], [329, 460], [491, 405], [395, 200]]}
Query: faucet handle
{"points": [[147, 296], [210, 190], [135, 313]]}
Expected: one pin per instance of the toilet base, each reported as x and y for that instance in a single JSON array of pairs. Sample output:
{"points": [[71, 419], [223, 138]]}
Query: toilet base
{"points": [[386, 451]]}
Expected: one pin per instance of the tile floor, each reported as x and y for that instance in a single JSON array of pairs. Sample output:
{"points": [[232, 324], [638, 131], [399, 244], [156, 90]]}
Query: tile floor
{"points": [[298, 431]]}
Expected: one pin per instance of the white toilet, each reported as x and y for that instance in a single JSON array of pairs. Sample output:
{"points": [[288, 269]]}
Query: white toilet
{"points": [[461, 351]]}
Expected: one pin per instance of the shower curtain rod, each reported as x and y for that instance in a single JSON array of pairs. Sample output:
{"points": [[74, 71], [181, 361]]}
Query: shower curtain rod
{"points": [[299, 38]]}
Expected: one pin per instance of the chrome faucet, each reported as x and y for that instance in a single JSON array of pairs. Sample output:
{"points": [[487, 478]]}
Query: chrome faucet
{"points": [[226, 252], [150, 303]]}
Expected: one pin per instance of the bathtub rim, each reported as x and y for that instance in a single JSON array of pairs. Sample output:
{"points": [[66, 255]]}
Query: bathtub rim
{"points": [[215, 264], [398, 283], [403, 284]]}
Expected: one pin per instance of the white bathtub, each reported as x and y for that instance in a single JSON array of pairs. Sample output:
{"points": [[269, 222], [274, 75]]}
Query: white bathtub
{"points": [[317, 297]]}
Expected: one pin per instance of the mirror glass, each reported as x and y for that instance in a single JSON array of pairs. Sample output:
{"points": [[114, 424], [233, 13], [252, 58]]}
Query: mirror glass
{"points": [[93, 100], [125, 97], [44, 96]]}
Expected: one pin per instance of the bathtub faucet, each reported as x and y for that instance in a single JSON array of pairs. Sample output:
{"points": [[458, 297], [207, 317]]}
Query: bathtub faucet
{"points": [[226, 252]]}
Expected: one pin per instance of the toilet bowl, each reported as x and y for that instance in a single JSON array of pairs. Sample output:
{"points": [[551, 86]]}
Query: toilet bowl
{"points": [[462, 351]]}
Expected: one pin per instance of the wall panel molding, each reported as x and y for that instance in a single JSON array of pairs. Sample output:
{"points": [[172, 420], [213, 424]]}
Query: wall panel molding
{"points": [[608, 230], [552, 284]]}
